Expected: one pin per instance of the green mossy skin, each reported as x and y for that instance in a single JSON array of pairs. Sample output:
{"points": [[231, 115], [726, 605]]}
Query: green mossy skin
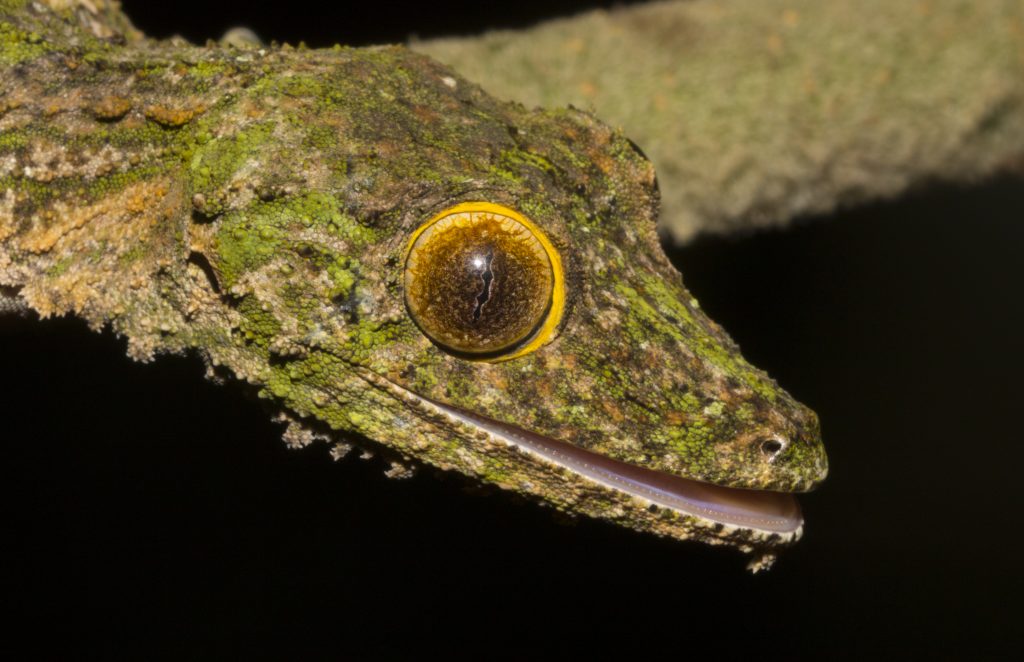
{"points": [[256, 206], [18, 46]]}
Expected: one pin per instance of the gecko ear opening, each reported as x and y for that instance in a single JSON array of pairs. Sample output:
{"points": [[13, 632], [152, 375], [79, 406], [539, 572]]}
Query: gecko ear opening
{"points": [[484, 282]]}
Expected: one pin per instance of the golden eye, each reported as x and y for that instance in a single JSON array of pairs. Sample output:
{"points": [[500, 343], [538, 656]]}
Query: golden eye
{"points": [[481, 280]]}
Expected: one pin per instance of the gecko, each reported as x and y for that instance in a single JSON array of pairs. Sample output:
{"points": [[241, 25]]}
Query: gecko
{"points": [[392, 259]]}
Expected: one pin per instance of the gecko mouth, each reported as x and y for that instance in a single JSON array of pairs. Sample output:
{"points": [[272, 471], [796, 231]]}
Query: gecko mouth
{"points": [[760, 510]]}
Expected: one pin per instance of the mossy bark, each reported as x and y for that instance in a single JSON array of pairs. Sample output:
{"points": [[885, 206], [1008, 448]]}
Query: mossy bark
{"points": [[755, 113]]}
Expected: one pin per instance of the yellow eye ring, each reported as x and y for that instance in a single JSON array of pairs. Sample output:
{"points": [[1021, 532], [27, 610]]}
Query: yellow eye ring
{"points": [[484, 282]]}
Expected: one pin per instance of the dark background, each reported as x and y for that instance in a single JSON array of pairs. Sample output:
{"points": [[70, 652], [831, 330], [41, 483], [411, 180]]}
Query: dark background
{"points": [[145, 509]]}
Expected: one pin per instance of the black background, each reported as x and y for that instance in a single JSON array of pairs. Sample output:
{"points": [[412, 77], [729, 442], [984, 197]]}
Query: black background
{"points": [[147, 510]]}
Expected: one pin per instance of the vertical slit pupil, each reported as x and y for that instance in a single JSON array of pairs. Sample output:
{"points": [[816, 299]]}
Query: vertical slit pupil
{"points": [[488, 277]]}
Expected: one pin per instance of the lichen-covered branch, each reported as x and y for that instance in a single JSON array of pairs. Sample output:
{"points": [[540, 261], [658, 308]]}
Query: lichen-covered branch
{"points": [[758, 112]]}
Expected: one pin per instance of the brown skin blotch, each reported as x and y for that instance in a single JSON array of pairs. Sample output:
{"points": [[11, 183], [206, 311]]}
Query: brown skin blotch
{"points": [[173, 117], [111, 108]]}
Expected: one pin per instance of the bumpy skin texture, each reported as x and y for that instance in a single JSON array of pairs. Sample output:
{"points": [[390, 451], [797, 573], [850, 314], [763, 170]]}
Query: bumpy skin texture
{"points": [[255, 207]]}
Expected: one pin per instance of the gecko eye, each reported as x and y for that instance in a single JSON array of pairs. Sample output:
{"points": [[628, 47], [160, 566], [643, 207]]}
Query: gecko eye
{"points": [[482, 281]]}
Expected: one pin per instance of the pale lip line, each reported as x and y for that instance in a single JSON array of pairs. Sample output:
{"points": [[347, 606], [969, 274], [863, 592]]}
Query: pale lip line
{"points": [[760, 511]]}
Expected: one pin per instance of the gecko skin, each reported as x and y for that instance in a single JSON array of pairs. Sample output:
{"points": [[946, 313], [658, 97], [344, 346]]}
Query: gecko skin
{"points": [[256, 207]]}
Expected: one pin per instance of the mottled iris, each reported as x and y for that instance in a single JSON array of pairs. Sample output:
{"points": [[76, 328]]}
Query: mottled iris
{"points": [[479, 282]]}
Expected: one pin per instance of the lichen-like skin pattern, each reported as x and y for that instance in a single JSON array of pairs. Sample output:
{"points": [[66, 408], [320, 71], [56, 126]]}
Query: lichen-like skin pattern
{"points": [[255, 206]]}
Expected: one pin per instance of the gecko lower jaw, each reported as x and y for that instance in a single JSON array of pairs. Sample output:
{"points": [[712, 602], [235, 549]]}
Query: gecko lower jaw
{"points": [[762, 511]]}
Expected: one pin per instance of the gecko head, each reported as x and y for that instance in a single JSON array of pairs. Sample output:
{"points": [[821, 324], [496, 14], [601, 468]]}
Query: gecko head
{"points": [[481, 287], [593, 339], [578, 344]]}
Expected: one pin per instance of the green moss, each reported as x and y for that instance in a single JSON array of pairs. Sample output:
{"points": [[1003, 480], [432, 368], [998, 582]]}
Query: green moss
{"points": [[673, 319], [134, 253], [80, 190], [60, 267], [259, 325], [214, 163], [689, 403], [243, 246], [250, 238], [279, 386], [497, 471], [642, 320], [357, 419], [18, 46], [368, 335], [668, 301], [299, 86], [513, 165], [462, 389], [715, 409], [14, 139], [322, 138], [128, 138], [205, 69], [694, 446]]}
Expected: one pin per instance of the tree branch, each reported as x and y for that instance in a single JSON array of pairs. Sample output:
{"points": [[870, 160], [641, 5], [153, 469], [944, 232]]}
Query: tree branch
{"points": [[758, 112]]}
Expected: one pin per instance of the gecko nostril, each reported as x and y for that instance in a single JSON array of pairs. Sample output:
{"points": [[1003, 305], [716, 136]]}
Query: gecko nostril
{"points": [[772, 447]]}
